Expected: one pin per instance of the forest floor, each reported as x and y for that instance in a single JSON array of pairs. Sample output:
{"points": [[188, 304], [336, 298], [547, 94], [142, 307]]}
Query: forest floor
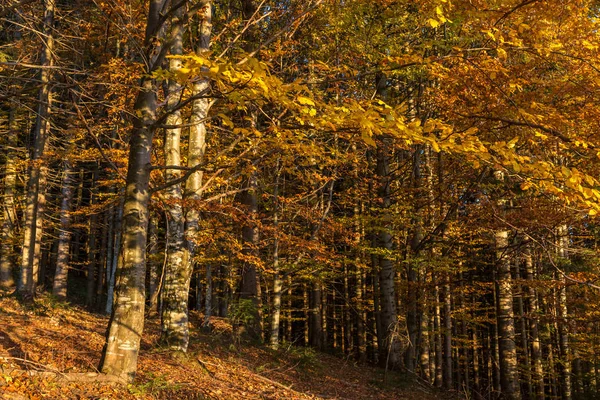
{"points": [[50, 350]]}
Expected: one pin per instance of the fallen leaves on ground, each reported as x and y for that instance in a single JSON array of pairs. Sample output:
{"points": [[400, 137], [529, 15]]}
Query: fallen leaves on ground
{"points": [[42, 343]]}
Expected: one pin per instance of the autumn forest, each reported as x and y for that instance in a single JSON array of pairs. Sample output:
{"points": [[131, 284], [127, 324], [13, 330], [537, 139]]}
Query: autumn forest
{"points": [[408, 186]]}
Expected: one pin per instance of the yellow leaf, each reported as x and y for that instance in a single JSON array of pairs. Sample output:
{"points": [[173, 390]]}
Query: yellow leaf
{"points": [[593, 212], [501, 53], [305, 101], [433, 22], [226, 121], [367, 139]]}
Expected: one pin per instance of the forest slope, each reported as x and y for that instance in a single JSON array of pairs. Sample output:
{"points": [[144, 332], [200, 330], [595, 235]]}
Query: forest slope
{"points": [[60, 341]]}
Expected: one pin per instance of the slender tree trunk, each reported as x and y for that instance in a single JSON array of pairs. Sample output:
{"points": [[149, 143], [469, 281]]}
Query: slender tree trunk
{"points": [[116, 250], [277, 278], [563, 323], [509, 378], [9, 212], [523, 335], [174, 294], [208, 297], [92, 255], [153, 265], [315, 332], [27, 281], [390, 344], [447, 373], [59, 287], [439, 356], [196, 149]]}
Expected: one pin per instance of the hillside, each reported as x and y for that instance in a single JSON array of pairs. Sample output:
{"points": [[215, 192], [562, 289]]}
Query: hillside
{"points": [[51, 350]]}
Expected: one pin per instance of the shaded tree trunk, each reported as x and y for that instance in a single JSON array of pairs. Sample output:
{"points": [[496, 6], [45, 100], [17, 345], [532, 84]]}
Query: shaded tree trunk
{"points": [[9, 212], [59, 287], [390, 345], [509, 378]]}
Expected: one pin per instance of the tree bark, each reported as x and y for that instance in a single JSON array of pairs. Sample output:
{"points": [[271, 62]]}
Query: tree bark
{"points": [[59, 287], [196, 149], [536, 347], [563, 323], [92, 253], [447, 370], [509, 378], [174, 294], [277, 278]]}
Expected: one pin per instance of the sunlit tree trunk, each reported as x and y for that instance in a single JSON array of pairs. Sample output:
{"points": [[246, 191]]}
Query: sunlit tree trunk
{"points": [[174, 294], [27, 280], [59, 287], [563, 323], [196, 149], [121, 350]]}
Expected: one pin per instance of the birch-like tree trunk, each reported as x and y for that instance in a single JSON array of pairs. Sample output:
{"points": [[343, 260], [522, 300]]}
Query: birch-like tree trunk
{"points": [[196, 149], [59, 286], [120, 353], [174, 294], [27, 281]]}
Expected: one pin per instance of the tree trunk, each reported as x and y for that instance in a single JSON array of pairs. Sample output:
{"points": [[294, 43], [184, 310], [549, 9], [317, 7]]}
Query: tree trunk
{"points": [[536, 346], [563, 323], [315, 333], [277, 278], [447, 369], [390, 344], [196, 149], [92, 255], [153, 265], [59, 287], [115, 238], [174, 294], [9, 222], [120, 353], [509, 378], [27, 280]]}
